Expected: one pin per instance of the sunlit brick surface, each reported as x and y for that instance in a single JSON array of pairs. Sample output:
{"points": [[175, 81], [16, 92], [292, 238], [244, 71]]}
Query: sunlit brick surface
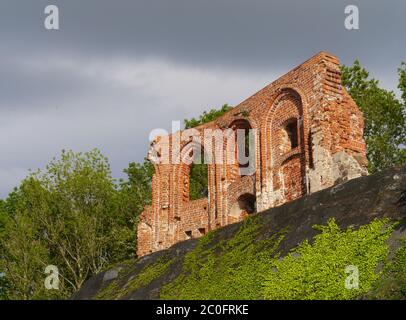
{"points": [[309, 136]]}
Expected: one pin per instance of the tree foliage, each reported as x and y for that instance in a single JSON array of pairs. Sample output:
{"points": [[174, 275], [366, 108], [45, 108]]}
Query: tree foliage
{"points": [[206, 117], [385, 116], [134, 194], [402, 81], [72, 215], [75, 216], [198, 181]]}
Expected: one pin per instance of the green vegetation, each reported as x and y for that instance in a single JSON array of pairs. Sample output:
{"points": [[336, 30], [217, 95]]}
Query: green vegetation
{"points": [[317, 271], [385, 116], [148, 274], [248, 267], [392, 284], [199, 170], [133, 195], [198, 179], [227, 269], [206, 117], [72, 215], [143, 278]]}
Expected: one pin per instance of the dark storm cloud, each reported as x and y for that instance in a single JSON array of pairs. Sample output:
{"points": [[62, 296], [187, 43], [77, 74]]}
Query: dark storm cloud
{"points": [[240, 33], [23, 85], [117, 69]]}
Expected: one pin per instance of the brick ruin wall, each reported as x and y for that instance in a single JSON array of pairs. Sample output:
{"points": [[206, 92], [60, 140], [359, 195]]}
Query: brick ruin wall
{"points": [[308, 136]]}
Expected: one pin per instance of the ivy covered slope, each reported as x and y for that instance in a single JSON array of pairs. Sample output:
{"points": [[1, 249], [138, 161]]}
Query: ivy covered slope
{"points": [[306, 249]]}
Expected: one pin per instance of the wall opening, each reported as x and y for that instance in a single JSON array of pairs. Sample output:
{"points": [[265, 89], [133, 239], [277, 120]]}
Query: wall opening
{"points": [[242, 147], [291, 130], [288, 136], [198, 177], [247, 202], [244, 206]]}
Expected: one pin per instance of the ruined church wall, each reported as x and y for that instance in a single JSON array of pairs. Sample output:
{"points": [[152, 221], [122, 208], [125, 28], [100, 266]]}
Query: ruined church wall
{"points": [[329, 149]]}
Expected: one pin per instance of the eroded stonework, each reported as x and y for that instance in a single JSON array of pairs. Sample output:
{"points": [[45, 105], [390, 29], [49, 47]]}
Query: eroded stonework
{"points": [[308, 136]]}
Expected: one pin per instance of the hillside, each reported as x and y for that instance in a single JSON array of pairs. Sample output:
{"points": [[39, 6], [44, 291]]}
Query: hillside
{"points": [[280, 254]]}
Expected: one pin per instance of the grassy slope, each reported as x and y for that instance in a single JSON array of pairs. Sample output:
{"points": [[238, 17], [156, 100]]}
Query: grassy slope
{"points": [[278, 254], [248, 266]]}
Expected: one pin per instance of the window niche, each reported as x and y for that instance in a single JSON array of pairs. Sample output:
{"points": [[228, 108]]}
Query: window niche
{"points": [[243, 157], [288, 136]]}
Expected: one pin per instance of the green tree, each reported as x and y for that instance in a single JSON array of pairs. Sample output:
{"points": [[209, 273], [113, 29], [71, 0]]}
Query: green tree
{"points": [[138, 185], [385, 116], [402, 81], [207, 116], [198, 180], [135, 193], [68, 215], [26, 256], [4, 283]]}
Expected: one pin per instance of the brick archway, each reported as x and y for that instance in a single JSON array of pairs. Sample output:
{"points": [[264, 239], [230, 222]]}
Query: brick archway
{"points": [[286, 146], [191, 152], [301, 122]]}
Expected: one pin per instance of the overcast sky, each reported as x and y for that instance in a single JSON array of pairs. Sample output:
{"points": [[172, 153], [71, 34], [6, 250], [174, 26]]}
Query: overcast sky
{"points": [[118, 69]]}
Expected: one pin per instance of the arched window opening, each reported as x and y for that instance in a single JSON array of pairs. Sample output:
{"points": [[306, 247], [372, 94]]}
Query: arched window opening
{"points": [[198, 176], [243, 157]]}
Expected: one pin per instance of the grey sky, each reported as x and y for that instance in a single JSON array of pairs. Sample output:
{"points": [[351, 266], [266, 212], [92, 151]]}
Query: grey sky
{"points": [[118, 69]]}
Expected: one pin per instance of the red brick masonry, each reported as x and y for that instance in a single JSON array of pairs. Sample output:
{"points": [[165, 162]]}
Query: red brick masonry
{"points": [[308, 136]]}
